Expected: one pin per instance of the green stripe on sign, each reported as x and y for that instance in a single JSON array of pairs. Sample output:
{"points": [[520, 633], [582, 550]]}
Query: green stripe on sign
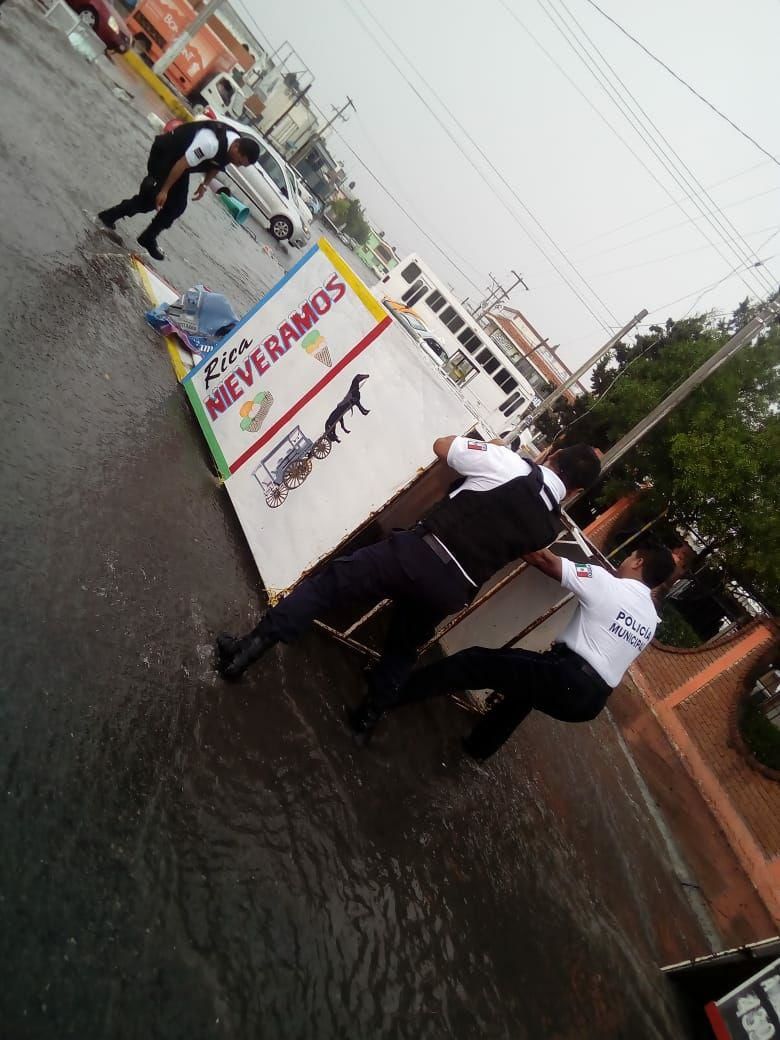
{"points": [[208, 432]]}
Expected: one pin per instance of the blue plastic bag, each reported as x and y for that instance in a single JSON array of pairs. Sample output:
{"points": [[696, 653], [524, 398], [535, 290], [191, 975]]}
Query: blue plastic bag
{"points": [[200, 319]]}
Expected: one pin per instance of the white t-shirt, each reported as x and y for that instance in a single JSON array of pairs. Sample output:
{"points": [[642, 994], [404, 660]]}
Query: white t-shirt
{"points": [[487, 466], [205, 145], [614, 622]]}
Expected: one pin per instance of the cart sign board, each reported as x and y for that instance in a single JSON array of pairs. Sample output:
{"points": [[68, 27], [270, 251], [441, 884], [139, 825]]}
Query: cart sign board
{"points": [[300, 338], [751, 1011], [318, 409]]}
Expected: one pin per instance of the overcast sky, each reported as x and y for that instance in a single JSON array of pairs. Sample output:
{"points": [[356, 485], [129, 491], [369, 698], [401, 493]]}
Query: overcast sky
{"points": [[607, 210]]}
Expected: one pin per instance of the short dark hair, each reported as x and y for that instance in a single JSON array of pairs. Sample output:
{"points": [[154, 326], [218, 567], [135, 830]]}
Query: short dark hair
{"points": [[658, 564], [250, 149], [578, 466]]}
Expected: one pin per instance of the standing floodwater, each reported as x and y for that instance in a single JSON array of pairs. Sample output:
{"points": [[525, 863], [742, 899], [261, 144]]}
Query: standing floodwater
{"points": [[182, 859]]}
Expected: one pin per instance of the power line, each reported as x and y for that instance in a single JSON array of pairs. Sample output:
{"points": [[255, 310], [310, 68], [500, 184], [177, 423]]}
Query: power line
{"points": [[685, 83], [391, 196], [459, 145], [257, 29], [368, 136], [669, 205], [600, 114], [368, 170], [673, 256], [728, 230], [679, 224], [687, 181], [641, 354], [702, 292]]}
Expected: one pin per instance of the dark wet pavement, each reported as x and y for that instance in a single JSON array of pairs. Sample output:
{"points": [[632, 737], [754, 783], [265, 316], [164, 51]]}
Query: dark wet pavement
{"points": [[182, 859]]}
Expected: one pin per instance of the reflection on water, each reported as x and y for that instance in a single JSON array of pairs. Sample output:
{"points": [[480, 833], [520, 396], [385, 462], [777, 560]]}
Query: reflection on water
{"points": [[183, 859]]}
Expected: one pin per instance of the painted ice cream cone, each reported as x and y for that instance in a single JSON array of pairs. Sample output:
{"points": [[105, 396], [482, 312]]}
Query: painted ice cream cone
{"points": [[323, 355], [316, 346], [253, 412]]}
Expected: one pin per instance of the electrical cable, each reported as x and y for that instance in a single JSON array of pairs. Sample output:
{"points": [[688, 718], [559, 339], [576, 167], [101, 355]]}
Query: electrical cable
{"points": [[727, 229], [673, 256], [374, 176], [368, 136], [669, 205], [597, 111], [701, 293], [459, 145], [635, 120], [406, 213], [679, 224], [687, 85]]}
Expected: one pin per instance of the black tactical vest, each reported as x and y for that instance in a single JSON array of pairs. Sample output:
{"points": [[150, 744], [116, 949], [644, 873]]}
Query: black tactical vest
{"points": [[170, 147], [486, 530]]}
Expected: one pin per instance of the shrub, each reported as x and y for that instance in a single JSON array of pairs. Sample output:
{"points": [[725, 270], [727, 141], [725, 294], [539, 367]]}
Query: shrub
{"points": [[674, 630], [761, 736]]}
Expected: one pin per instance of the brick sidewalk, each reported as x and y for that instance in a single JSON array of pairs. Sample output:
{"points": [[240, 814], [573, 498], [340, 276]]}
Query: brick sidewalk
{"points": [[737, 909]]}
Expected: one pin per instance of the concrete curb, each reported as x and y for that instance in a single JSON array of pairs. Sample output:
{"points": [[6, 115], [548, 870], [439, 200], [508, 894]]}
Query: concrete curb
{"points": [[139, 66]]}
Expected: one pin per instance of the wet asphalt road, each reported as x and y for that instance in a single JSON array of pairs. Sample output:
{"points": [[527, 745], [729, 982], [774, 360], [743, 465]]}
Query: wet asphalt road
{"points": [[184, 860]]}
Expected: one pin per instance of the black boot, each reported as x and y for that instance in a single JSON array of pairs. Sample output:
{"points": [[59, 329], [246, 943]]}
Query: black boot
{"points": [[107, 219], [363, 719], [473, 749], [226, 648], [234, 656], [148, 240], [126, 208]]}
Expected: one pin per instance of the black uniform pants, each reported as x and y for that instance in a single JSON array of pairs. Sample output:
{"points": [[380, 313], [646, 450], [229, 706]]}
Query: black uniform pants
{"points": [[158, 166], [553, 683], [424, 590]]}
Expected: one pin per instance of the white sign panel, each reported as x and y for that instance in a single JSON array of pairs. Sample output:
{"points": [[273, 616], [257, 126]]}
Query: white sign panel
{"points": [[299, 338], [318, 409]]}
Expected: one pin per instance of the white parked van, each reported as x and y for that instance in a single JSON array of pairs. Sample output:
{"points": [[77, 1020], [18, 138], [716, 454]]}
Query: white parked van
{"points": [[267, 189], [411, 323]]}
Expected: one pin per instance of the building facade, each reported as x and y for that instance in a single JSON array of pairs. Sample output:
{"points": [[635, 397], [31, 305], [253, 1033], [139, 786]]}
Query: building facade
{"points": [[516, 337], [376, 254]]}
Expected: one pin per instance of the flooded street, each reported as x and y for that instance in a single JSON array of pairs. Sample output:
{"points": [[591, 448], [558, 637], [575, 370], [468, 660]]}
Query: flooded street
{"points": [[183, 859]]}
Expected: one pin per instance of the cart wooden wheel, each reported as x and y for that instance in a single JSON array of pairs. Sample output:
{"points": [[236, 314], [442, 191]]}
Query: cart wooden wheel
{"points": [[275, 494], [321, 448], [296, 473]]}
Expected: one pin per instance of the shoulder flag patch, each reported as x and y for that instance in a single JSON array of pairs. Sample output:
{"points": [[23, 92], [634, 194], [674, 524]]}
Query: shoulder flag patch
{"points": [[583, 570], [199, 152], [478, 445]]}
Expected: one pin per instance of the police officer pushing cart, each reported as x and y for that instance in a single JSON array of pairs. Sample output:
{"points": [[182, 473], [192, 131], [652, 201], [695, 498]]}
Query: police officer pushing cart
{"points": [[614, 621], [504, 507], [200, 147]]}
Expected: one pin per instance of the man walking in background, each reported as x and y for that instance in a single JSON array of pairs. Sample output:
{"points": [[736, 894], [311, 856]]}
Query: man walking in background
{"points": [[199, 147]]}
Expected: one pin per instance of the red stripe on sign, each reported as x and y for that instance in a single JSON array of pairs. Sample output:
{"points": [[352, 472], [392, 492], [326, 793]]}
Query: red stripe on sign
{"points": [[719, 1027], [311, 394]]}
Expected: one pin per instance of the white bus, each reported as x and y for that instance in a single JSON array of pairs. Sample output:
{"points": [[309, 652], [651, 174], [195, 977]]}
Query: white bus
{"points": [[487, 376]]}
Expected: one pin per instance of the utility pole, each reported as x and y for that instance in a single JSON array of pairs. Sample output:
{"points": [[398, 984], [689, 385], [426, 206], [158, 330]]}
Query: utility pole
{"points": [[528, 418], [169, 56], [338, 114], [498, 293], [704, 371]]}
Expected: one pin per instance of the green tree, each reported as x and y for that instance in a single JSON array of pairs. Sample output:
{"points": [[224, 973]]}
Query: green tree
{"points": [[715, 461], [338, 211], [348, 215]]}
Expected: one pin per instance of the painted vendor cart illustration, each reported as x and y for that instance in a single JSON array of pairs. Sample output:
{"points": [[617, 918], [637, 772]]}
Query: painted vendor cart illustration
{"points": [[288, 464]]}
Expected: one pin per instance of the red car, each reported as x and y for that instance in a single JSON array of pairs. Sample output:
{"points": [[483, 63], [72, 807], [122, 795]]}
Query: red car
{"points": [[105, 22]]}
